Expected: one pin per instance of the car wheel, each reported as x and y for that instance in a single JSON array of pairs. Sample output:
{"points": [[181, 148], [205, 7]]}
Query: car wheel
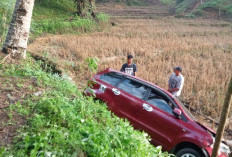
{"points": [[188, 152]]}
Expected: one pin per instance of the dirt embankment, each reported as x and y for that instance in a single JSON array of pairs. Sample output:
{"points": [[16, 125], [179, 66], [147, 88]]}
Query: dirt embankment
{"points": [[13, 90], [130, 12]]}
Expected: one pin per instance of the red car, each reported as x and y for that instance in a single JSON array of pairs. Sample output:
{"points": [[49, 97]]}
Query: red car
{"points": [[155, 111]]}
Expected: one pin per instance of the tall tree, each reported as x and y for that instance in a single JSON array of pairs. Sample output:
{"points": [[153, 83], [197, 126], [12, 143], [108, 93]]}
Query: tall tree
{"points": [[18, 33], [85, 7]]}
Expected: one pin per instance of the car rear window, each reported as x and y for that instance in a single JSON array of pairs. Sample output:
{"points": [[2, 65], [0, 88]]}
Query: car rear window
{"points": [[111, 78]]}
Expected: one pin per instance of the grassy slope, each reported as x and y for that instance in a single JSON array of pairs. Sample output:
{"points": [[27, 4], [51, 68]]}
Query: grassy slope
{"points": [[53, 9], [57, 17], [54, 17], [62, 122]]}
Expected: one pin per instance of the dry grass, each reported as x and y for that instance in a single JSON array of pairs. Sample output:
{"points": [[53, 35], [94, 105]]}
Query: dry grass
{"points": [[202, 47]]}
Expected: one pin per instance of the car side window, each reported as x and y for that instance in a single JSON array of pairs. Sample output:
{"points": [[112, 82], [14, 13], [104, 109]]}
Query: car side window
{"points": [[156, 100], [133, 87], [111, 78]]}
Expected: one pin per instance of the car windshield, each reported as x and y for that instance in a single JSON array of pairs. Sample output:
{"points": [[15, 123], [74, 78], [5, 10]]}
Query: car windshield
{"points": [[186, 110]]}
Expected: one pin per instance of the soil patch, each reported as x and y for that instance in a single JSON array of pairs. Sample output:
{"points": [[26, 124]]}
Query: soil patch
{"points": [[12, 91]]}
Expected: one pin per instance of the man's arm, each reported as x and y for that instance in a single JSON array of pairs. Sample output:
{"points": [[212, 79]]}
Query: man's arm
{"points": [[169, 84], [135, 69], [173, 90]]}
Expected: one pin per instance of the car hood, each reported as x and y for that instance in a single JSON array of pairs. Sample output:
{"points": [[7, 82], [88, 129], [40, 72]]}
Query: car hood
{"points": [[212, 132]]}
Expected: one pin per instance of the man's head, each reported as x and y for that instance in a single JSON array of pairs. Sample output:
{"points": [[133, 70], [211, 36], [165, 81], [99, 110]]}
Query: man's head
{"points": [[129, 59], [177, 70]]}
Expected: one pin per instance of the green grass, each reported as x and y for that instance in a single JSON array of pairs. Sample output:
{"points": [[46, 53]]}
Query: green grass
{"points": [[50, 9], [52, 17], [62, 25], [103, 17], [62, 122], [58, 17]]}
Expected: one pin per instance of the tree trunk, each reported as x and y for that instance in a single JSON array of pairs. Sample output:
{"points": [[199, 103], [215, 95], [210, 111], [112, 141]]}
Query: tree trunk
{"points": [[84, 7], [92, 8], [222, 123], [18, 33]]}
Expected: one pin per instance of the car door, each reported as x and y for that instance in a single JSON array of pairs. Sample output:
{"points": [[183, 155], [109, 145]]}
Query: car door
{"points": [[158, 119], [128, 98], [107, 83]]}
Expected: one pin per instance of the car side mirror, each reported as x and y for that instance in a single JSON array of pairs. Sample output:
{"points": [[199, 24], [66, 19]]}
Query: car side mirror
{"points": [[177, 112]]}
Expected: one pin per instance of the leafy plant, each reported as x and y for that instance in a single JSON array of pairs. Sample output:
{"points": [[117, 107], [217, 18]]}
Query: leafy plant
{"points": [[92, 64], [102, 17]]}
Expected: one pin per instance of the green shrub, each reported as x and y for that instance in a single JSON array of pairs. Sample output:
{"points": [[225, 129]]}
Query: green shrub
{"points": [[102, 17], [61, 25], [62, 122]]}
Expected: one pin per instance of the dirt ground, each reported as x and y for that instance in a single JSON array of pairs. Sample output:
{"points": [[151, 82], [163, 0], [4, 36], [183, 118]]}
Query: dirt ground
{"points": [[13, 90]]}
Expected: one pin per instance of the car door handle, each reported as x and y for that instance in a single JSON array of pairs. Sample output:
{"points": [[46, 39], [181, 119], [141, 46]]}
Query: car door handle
{"points": [[147, 107], [116, 91]]}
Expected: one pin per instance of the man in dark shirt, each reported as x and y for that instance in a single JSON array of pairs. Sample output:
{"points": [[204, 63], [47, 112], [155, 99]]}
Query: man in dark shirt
{"points": [[129, 67]]}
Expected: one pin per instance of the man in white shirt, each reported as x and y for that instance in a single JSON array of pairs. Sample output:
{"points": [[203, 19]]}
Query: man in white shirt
{"points": [[176, 82]]}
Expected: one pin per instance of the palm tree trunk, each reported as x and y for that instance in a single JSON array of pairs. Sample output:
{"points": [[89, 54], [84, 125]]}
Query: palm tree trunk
{"points": [[18, 33]]}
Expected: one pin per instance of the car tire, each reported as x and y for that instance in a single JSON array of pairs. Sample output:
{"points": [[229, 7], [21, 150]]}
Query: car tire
{"points": [[188, 152]]}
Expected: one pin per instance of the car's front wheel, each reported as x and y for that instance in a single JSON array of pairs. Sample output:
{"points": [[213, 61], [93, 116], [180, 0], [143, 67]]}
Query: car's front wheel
{"points": [[188, 152]]}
